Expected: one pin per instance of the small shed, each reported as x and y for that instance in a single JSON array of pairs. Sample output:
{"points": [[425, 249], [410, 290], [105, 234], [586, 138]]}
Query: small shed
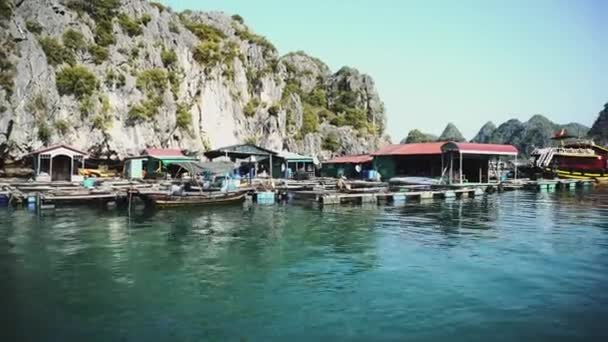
{"points": [[58, 163], [290, 163], [250, 152], [414, 160], [353, 166], [472, 161], [154, 162]]}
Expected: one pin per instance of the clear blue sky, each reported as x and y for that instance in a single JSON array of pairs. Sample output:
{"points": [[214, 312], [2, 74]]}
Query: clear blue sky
{"points": [[439, 61]]}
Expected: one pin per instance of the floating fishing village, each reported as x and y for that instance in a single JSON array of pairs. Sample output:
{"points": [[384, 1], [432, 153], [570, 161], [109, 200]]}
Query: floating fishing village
{"points": [[237, 170], [394, 174]]}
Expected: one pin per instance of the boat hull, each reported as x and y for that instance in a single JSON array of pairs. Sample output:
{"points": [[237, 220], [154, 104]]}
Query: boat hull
{"points": [[171, 201], [582, 175]]}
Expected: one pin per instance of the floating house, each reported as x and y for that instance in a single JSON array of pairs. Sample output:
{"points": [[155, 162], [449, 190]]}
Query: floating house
{"points": [[58, 163], [353, 166], [255, 158], [455, 162], [292, 164], [158, 162]]}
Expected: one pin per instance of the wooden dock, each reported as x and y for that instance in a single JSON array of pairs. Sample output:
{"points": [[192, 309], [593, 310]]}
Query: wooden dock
{"points": [[557, 184], [335, 198]]}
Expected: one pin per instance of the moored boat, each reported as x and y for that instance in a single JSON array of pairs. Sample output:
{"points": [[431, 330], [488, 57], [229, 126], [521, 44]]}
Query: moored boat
{"points": [[573, 159], [164, 199]]}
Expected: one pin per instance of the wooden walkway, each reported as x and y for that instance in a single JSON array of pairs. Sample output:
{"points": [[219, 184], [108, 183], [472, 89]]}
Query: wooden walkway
{"points": [[557, 184], [333, 198]]}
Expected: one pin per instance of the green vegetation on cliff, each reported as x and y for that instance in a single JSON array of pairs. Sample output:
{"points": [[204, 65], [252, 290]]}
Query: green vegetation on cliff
{"points": [[599, 130], [416, 136], [77, 81], [451, 133], [102, 12]]}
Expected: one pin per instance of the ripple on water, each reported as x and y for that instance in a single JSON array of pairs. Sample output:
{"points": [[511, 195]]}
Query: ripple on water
{"points": [[512, 266]]}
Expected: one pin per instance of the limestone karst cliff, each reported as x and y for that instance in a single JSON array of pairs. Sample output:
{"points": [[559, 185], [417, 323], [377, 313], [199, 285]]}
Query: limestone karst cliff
{"points": [[599, 130], [116, 76]]}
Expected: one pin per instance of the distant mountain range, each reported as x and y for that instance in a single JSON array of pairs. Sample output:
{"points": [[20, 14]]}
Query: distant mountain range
{"points": [[526, 136]]}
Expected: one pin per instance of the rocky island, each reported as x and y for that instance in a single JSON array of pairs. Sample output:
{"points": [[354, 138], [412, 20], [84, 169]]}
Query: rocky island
{"points": [[114, 77]]}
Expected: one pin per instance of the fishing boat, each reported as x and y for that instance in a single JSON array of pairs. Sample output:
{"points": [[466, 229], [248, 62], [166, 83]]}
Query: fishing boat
{"points": [[165, 200], [573, 159]]}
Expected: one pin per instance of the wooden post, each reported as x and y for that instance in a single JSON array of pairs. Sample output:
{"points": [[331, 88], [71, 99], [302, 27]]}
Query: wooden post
{"points": [[460, 167], [38, 166], [515, 167], [270, 166], [489, 163], [451, 167], [71, 167], [51, 168]]}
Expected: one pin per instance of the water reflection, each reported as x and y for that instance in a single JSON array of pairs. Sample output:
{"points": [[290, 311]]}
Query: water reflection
{"points": [[225, 273]]}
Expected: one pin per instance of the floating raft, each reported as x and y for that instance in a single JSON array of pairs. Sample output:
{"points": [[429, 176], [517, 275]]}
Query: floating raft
{"points": [[557, 184], [333, 198]]}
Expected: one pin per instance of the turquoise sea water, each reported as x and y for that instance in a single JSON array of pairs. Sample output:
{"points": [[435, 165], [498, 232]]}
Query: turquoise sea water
{"points": [[514, 266]]}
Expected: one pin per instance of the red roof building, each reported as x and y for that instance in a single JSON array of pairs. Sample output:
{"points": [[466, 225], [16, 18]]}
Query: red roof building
{"points": [[354, 166], [458, 162], [480, 149], [437, 148], [164, 153], [410, 149]]}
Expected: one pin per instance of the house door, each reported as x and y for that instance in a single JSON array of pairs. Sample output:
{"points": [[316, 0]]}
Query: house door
{"points": [[61, 168]]}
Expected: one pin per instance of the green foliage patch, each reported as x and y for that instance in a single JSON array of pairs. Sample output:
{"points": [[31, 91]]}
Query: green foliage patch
{"points": [[183, 117], [310, 120], [161, 8], [62, 126], [168, 57], [6, 10], [256, 39], [238, 18], [76, 80], [202, 31], [274, 110], [331, 142], [33, 27], [55, 52], [7, 73], [74, 40], [146, 110], [129, 25], [44, 131], [99, 54], [115, 79], [152, 81], [251, 107], [102, 12]]}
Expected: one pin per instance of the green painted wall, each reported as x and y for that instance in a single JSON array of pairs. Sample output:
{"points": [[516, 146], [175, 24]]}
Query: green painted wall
{"points": [[386, 166], [339, 170]]}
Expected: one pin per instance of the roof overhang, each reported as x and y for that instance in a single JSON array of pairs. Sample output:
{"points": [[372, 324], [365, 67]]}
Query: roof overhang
{"points": [[480, 149], [241, 151]]}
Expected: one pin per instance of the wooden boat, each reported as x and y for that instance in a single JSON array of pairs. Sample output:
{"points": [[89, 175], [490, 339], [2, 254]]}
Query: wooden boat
{"points": [[78, 197], [166, 200], [574, 159]]}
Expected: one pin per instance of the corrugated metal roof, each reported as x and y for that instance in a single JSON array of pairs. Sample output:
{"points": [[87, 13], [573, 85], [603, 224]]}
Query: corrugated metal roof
{"points": [[164, 152], [293, 156], [433, 148], [475, 148], [410, 149], [358, 159], [54, 147]]}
